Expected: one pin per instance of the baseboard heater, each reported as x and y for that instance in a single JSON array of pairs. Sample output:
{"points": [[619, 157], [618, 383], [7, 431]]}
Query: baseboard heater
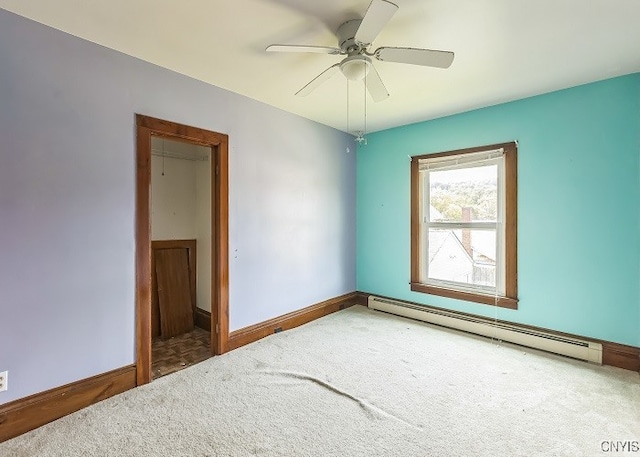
{"points": [[590, 351]]}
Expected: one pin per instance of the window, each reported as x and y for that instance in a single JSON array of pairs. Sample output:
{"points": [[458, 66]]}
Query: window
{"points": [[464, 224]]}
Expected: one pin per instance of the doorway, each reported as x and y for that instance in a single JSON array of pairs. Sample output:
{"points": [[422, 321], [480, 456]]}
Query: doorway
{"points": [[150, 130]]}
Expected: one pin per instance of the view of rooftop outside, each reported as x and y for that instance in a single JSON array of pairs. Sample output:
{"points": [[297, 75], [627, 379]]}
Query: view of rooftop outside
{"points": [[466, 255]]}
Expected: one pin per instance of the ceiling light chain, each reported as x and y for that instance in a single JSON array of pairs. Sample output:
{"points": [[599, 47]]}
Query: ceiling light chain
{"points": [[360, 136], [163, 155], [364, 93], [348, 128]]}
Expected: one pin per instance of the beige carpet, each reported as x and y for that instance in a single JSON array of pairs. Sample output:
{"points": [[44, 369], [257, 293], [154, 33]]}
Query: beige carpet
{"points": [[359, 383]]}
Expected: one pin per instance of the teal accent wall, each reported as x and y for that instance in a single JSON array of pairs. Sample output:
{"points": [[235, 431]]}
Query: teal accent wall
{"points": [[578, 206]]}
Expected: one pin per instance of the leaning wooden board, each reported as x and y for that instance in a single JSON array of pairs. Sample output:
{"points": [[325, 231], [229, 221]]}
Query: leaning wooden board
{"points": [[174, 292]]}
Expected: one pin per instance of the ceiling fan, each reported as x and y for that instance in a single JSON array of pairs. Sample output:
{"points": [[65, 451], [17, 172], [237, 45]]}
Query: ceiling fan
{"points": [[354, 39]]}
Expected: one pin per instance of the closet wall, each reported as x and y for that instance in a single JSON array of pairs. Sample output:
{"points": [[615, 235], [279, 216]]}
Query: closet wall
{"points": [[181, 204]]}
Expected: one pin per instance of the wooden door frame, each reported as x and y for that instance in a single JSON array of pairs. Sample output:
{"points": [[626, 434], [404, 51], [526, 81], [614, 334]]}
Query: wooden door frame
{"points": [[219, 143]]}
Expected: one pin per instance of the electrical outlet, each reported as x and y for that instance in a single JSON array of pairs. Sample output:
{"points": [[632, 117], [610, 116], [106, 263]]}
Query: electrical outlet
{"points": [[4, 381]]}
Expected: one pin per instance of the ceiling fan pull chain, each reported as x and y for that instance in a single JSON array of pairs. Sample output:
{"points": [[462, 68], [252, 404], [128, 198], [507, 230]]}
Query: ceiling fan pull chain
{"points": [[348, 128], [163, 155], [364, 93]]}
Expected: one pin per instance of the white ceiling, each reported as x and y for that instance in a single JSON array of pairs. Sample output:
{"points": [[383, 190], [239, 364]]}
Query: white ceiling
{"points": [[505, 49]]}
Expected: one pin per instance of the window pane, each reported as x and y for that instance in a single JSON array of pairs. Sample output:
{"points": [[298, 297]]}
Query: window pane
{"points": [[465, 256], [464, 195]]}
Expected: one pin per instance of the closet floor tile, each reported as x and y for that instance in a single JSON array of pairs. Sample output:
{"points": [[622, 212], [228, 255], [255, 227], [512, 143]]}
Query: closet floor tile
{"points": [[176, 353]]}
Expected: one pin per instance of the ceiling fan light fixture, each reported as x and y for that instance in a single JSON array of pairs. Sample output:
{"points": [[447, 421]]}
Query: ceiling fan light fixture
{"points": [[355, 68], [355, 37]]}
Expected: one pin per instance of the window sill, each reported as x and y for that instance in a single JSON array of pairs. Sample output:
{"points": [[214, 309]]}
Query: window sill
{"points": [[503, 302]]}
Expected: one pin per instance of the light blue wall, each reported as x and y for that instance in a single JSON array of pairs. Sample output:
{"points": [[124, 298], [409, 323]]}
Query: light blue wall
{"points": [[578, 197], [67, 183]]}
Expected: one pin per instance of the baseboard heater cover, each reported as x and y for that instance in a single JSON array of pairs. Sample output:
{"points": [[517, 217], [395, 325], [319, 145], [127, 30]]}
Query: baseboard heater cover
{"points": [[590, 351]]}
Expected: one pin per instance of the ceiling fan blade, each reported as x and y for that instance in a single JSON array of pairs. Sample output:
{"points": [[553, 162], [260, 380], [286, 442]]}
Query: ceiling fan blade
{"points": [[302, 48], [375, 86], [315, 82], [376, 17], [415, 56]]}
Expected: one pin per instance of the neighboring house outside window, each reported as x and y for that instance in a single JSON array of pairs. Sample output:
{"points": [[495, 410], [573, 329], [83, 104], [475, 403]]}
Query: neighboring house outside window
{"points": [[463, 224]]}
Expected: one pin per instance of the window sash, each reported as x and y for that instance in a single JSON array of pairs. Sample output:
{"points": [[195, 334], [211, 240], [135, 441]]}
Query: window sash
{"points": [[451, 162], [460, 225], [463, 286], [498, 289]]}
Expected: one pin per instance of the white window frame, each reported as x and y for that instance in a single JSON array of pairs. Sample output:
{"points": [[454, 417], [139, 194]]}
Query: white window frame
{"points": [[497, 227]]}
